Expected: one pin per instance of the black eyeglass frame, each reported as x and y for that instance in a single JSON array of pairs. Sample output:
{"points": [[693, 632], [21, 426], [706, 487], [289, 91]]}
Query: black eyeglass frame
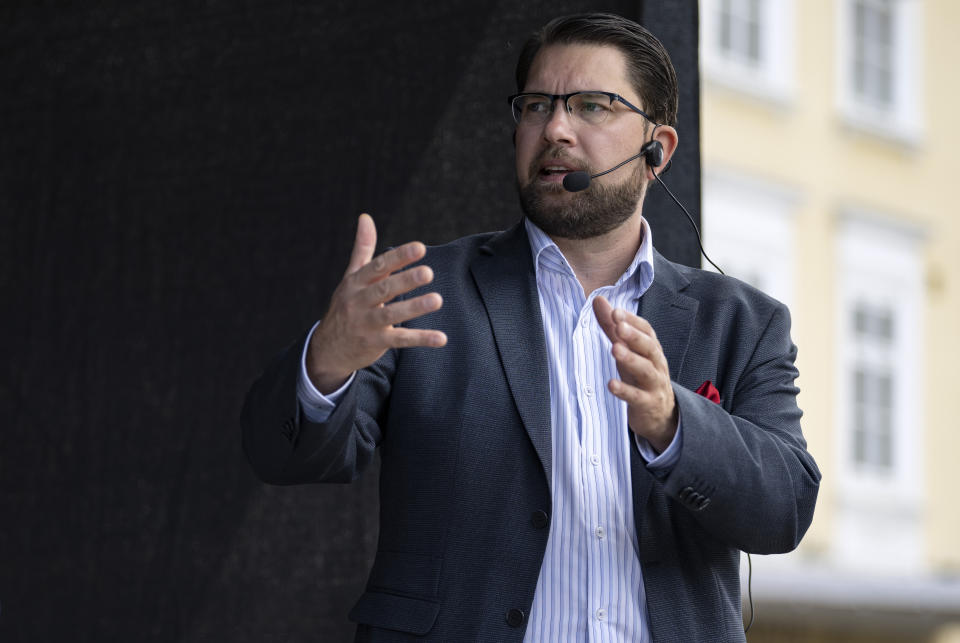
{"points": [[566, 97]]}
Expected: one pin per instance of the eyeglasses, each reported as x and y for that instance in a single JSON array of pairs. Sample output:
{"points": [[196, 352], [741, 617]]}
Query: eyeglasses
{"points": [[591, 107]]}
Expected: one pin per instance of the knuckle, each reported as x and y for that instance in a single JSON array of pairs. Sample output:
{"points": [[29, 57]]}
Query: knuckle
{"points": [[413, 278], [384, 315]]}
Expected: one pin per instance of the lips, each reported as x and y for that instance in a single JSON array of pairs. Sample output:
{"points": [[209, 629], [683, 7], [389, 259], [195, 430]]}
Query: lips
{"points": [[553, 170]]}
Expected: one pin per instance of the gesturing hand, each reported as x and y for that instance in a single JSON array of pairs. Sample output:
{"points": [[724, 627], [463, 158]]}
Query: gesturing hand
{"points": [[359, 325], [645, 375]]}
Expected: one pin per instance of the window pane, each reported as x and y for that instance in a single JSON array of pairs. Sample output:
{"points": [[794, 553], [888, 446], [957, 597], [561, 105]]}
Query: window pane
{"points": [[873, 406], [872, 61], [726, 39]]}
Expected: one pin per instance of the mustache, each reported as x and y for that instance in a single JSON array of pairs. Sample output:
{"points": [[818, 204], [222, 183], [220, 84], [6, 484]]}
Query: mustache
{"points": [[557, 154]]}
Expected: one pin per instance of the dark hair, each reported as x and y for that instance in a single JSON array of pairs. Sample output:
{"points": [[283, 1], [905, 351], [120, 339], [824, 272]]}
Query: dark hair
{"points": [[648, 63]]}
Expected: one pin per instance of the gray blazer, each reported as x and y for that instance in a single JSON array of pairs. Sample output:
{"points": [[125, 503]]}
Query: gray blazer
{"points": [[464, 439]]}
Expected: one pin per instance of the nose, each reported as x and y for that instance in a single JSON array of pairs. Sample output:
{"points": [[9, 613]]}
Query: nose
{"points": [[559, 127]]}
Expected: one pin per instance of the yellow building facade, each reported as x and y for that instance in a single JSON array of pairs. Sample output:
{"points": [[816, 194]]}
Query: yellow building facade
{"points": [[829, 131]]}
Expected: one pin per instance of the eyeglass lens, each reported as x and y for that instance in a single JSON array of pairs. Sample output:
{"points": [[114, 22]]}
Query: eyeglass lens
{"points": [[536, 109]]}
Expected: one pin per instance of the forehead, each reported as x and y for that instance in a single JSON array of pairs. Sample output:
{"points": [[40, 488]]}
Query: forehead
{"points": [[560, 69]]}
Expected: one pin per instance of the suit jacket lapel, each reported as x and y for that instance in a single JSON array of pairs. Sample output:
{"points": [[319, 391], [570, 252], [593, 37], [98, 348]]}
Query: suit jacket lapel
{"points": [[505, 277], [671, 314]]}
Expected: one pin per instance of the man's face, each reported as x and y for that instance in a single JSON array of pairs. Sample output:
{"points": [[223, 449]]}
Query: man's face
{"points": [[547, 152]]}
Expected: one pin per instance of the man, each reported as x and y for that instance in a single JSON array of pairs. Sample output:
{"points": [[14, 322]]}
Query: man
{"points": [[548, 471]]}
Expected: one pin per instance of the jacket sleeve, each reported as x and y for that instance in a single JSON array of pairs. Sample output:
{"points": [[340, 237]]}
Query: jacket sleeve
{"points": [[284, 447], [744, 471]]}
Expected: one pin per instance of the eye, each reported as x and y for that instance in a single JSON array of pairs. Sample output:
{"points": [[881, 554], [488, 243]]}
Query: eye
{"points": [[536, 106], [593, 103]]}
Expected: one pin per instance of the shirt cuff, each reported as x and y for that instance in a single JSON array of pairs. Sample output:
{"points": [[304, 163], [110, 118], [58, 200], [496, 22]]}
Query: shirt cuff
{"points": [[661, 464], [316, 406]]}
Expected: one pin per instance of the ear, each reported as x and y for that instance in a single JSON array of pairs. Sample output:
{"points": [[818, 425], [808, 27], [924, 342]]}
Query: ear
{"points": [[667, 136]]}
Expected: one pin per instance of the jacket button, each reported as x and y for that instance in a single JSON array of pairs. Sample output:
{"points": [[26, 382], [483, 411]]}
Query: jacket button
{"points": [[540, 519], [515, 617]]}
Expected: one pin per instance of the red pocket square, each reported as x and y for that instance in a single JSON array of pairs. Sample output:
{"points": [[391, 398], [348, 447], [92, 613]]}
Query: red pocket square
{"points": [[709, 391]]}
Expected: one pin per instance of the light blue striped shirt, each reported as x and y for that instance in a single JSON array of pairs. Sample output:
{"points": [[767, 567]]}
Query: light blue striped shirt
{"points": [[591, 583]]}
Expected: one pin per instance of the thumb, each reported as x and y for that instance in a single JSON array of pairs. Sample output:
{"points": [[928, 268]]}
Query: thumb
{"points": [[604, 312], [363, 245]]}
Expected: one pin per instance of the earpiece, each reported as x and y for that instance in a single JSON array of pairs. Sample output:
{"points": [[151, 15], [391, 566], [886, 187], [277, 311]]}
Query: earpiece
{"points": [[652, 153]]}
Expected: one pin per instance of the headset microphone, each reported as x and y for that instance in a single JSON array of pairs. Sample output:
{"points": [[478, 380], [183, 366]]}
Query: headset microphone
{"points": [[577, 181], [652, 152]]}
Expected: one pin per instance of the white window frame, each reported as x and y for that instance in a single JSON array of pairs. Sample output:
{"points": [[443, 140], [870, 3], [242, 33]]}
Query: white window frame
{"points": [[772, 79], [880, 264], [749, 229], [902, 120]]}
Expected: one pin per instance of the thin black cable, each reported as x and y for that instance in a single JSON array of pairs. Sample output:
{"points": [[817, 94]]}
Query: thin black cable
{"points": [[617, 166], [705, 256], [749, 587], [690, 219]]}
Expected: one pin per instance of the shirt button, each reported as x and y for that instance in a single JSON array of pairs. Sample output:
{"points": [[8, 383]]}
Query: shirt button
{"points": [[588, 390], [595, 460], [585, 321], [600, 533], [601, 614]]}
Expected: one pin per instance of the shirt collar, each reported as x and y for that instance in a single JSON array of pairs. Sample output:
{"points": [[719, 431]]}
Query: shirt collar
{"points": [[547, 255]]}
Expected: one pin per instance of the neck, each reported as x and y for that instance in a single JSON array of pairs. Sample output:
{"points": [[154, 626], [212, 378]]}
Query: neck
{"points": [[600, 261]]}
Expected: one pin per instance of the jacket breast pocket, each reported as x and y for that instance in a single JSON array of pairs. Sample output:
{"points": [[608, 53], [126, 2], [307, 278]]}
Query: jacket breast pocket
{"points": [[402, 593]]}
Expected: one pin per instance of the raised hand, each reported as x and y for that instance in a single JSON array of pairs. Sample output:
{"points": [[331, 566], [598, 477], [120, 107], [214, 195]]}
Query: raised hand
{"points": [[644, 382], [360, 326]]}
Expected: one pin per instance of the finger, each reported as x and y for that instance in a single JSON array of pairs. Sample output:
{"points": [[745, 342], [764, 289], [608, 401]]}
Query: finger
{"points": [[385, 290], [364, 244], [641, 324], [406, 310], [637, 369], [603, 312], [632, 395], [390, 261], [409, 337], [641, 343]]}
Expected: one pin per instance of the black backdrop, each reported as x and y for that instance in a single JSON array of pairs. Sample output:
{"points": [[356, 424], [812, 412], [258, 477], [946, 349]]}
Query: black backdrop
{"points": [[178, 192]]}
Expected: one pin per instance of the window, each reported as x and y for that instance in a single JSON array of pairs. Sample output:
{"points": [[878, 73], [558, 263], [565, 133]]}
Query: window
{"points": [[879, 66], [748, 230], [739, 26], [872, 59], [747, 45], [872, 369], [880, 301]]}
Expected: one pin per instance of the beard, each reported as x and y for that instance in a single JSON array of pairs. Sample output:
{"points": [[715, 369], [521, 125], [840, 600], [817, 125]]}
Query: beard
{"points": [[586, 214]]}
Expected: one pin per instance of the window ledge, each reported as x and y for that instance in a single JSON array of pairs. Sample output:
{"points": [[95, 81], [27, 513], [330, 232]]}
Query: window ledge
{"points": [[752, 83], [882, 126], [843, 597]]}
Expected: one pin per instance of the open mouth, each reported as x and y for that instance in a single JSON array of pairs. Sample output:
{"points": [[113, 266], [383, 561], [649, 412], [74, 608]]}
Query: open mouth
{"points": [[554, 172]]}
